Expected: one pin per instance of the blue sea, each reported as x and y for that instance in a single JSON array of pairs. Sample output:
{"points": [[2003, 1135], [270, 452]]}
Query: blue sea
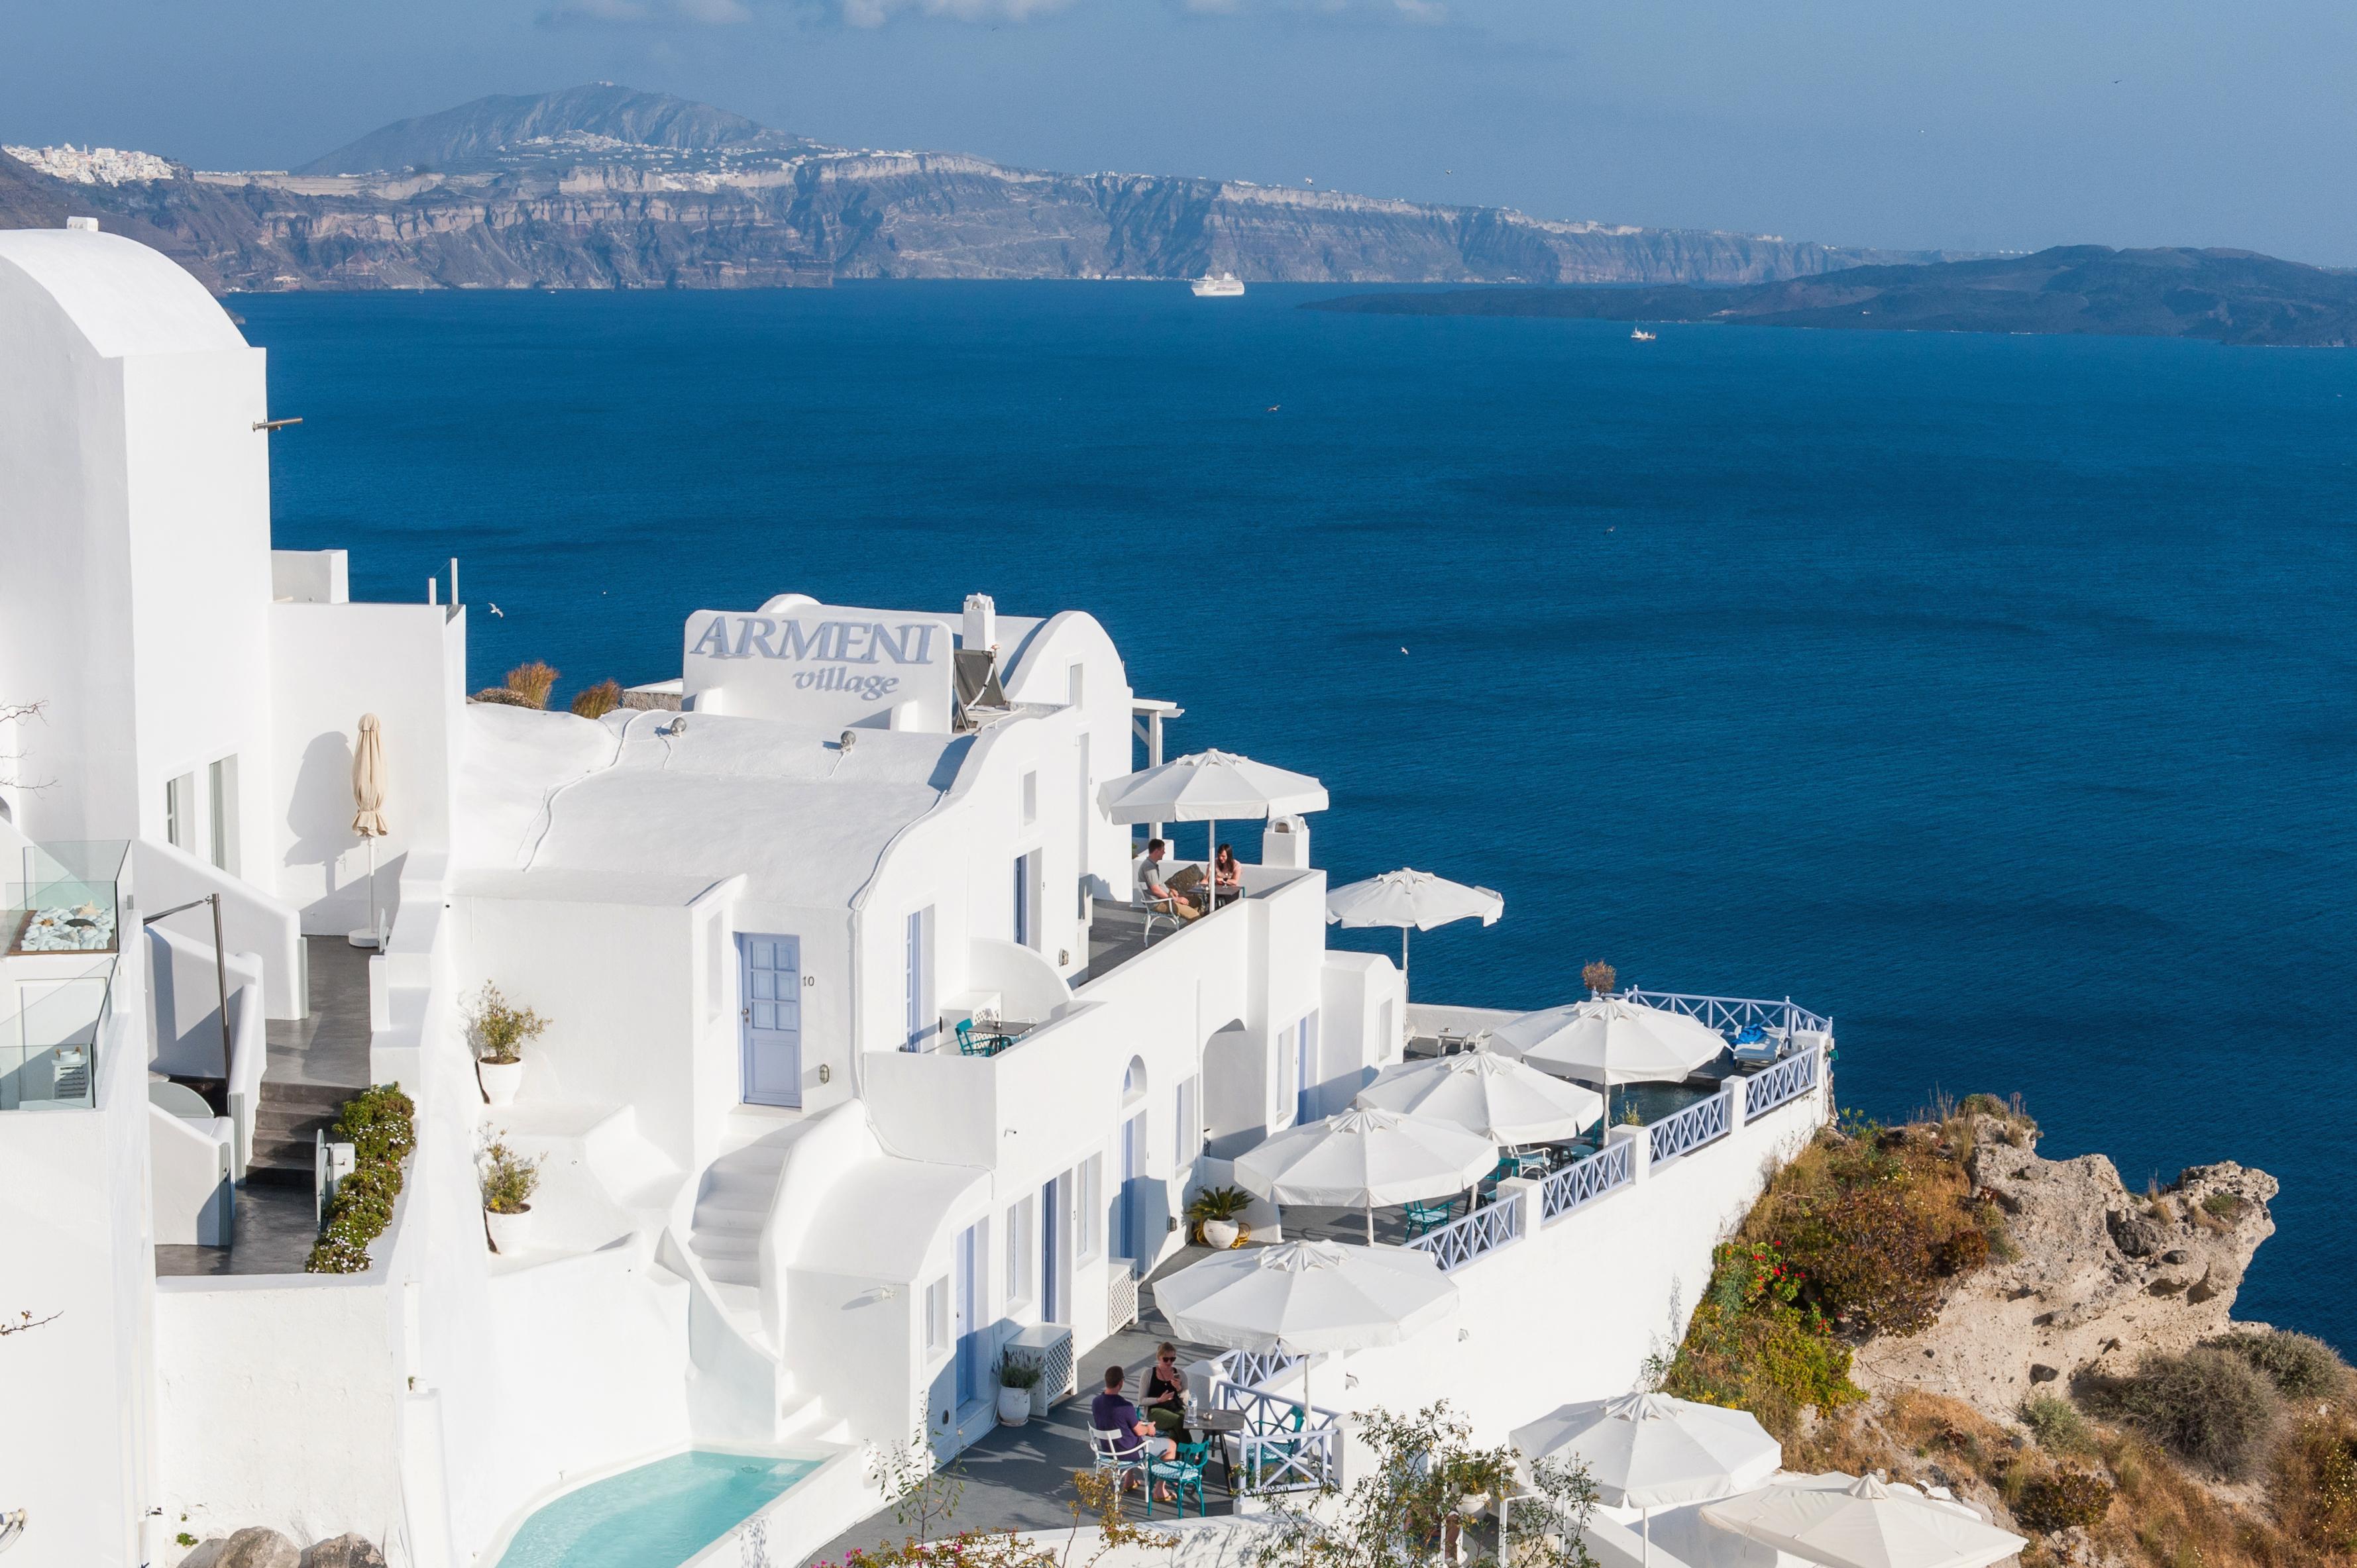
{"points": [[1994, 695]]}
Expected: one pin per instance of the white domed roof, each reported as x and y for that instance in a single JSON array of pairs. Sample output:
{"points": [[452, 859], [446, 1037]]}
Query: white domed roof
{"points": [[125, 298]]}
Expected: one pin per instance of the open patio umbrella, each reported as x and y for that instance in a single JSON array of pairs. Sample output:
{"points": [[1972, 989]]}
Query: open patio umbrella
{"points": [[1411, 900], [1606, 1040], [1303, 1297], [369, 779], [1491, 1096], [1208, 786], [1362, 1158], [1863, 1524], [1648, 1451]]}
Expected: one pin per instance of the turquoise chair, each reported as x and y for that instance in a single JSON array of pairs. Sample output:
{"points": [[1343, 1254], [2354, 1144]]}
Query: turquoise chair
{"points": [[1184, 1474], [1425, 1218]]}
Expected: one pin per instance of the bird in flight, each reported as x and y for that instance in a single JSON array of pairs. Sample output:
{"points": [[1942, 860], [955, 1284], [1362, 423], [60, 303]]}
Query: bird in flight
{"points": [[498, 612], [1402, 650]]}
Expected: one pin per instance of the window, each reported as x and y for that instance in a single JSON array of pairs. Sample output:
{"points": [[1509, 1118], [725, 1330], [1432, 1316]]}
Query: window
{"points": [[1304, 1072], [922, 1024], [1086, 814], [1075, 683], [223, 782], [180, 810], [1026, 923], [1022, 1267], [937, 1317], [1030, 799], [1187, 1130], [1088, 1237]]}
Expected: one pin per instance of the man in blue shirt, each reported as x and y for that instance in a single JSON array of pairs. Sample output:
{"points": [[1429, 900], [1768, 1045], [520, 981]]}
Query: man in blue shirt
{"points": [[1111, 1411]]}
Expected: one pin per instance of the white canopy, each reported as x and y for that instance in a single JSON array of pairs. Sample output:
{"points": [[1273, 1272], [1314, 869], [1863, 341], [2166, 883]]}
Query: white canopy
{"points": [[1491, 1096], [1208, 786], [1416, 899], [1646, 1450], [1364, 1157], [1607, 1040], [1863, 1524], [1303, 1297]]}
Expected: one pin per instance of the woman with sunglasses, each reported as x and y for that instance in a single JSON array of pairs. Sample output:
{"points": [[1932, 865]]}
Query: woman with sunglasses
{"points": [[1165, 1393]]}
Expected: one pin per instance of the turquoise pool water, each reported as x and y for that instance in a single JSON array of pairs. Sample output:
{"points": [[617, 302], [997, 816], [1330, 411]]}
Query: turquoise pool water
{"points": [[656, 1516]]}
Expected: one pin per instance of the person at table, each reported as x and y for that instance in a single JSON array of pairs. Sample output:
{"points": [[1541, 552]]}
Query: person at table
{"points": [[1152, 882], [1111, 1411], [1227, 876], [1166, 1393]]}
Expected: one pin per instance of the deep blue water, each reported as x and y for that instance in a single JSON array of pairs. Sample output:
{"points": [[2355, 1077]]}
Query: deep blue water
{"points": [[1994, 695]]}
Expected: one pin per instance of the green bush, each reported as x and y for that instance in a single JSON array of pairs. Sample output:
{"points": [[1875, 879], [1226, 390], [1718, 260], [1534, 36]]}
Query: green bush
{"points": [[381, 1125], [2208, 1405], [2299, 1365], [2057, 1424], [2222, 1205], [1755, 1345], [2069, 1497]]}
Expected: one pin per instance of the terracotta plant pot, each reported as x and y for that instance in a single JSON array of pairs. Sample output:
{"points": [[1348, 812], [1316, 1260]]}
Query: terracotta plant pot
{"points": [[511, 1233], [1014, 1407], [1220, 1234], [501, 1079]]}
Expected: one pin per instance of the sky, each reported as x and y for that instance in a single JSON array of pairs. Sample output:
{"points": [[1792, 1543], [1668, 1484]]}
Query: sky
{"points": [[2000, 124]]}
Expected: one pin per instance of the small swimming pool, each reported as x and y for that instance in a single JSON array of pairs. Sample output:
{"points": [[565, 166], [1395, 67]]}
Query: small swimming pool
{"points": [[656, 1516]]}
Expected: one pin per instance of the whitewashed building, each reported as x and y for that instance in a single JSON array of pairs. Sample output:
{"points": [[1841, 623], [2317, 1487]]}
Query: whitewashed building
{"points": [[786, 1205]]}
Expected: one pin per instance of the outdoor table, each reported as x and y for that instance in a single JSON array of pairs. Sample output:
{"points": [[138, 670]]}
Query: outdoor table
{"points": [[1218, 1426]]}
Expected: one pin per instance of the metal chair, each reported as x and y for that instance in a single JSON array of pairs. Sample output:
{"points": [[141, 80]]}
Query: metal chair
{"points": [[1425, 1218], [1123, 1454], [1183, 1473]]}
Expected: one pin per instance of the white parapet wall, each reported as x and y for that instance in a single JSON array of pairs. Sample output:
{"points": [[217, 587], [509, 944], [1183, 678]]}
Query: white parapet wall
{"points": [[1575, 1309]]}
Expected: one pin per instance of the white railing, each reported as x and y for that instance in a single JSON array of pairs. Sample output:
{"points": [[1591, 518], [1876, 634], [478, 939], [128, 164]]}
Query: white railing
{"points": [[1459, 1242], [1787, 1079], [1255, 1368], [1285, 1446], [1733, 1013], [1704, 1121], [1613, 1166]]}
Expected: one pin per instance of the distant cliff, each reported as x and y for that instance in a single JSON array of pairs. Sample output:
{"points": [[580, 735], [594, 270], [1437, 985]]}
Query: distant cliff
{"points": [[2226, 297], [607, 188]]}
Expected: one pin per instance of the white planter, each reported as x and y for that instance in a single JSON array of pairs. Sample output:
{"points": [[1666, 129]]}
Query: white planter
{"points": [[511, 1233], [1219, 1234], [1014, 1407], [501, 1079]]}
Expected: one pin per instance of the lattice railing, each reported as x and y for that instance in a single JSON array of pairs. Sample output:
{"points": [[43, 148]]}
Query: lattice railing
{"points": [[1732, 1014], [1459, 1242], [1272, 1453], [1615, 1165], [1787, 1079], [1255, 1368], [1704, 1121]]}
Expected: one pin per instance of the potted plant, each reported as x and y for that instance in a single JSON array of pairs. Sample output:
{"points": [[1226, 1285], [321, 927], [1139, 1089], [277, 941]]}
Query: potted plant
{"points": [[1479, 1478], [499, 1032], [1019, 1381], [509, 1182], [1218, 1215]]}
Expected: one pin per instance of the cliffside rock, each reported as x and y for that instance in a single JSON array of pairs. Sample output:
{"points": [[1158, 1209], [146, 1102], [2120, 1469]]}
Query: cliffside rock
{"points": [[343, 1551], [256, 1546], [2102, 1276]]}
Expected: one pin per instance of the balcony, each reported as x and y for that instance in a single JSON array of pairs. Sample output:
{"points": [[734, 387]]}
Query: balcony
{"points": [[1120, 931], [64, 901]]}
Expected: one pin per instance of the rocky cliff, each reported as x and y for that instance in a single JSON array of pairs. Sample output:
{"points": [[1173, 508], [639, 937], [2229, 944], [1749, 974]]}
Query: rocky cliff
{"points": [[606, 187]]}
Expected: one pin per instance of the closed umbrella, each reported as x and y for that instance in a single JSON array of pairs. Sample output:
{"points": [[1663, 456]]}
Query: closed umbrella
{"points": [[1863, 1524], [1208, 786], [368, 781], [1648, 1451], [1362, 1158], [1306, 1297], [1492, 1096], [1606, 1040], [1411, 900]]}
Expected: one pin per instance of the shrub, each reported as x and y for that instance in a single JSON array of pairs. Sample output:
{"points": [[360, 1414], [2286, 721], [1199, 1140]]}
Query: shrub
{"points": [[2315, 1487], [1219, 1203], [2057, 1424], [509, 1179], [533, 682], [2222, 1205], [1599, 977], [2209, 1406], [2301, 1366], [1754, 1344], [2070, 1498], [596, 702], [501, 1030], [1020, 1372], [381, 1125]]}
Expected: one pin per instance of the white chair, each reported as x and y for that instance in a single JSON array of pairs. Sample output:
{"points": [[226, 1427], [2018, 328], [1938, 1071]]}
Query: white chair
{"points": [[1123, 1453]]}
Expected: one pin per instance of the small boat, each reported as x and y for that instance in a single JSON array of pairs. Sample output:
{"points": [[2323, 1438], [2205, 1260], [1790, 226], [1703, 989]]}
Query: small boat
{"points": [[1639, 335], [1219, 286]]}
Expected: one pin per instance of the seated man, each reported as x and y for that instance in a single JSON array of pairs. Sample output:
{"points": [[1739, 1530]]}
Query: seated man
{"points": [[1153, 890], [1111, 1411]]}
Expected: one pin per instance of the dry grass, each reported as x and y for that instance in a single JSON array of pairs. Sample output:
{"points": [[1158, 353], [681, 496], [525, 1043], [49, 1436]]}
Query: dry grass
{"points": [[533, 682], [596, 702]]}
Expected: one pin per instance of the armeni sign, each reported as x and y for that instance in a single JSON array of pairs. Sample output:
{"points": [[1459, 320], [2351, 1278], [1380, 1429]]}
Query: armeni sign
{"points": [[823, 663]]}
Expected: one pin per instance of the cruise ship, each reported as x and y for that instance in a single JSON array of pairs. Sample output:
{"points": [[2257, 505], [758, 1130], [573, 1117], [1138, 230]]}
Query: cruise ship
{"points": [[1219, 286], [722, 1085]]}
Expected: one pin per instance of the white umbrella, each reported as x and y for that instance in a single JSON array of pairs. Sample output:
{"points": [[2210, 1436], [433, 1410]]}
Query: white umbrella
{"points": [[1605, 1040], [368, 781], [1304, 1297], [1493, 1096], [1863, 1524], [1411, 900], [1208, 786], [1649, 1451], [1361, 1158]]}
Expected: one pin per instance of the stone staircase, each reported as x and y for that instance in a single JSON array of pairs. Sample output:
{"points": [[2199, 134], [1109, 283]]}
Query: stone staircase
{"points": [[286, 1121]]}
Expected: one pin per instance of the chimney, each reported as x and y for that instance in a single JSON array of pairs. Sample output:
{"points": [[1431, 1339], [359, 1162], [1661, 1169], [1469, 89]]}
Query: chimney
{"points": [[88, 223], [981, 623]]}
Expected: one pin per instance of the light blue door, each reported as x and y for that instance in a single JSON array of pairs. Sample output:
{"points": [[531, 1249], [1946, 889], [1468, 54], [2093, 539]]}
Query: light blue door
{"points": [[771, 970], [967, 1291]]}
